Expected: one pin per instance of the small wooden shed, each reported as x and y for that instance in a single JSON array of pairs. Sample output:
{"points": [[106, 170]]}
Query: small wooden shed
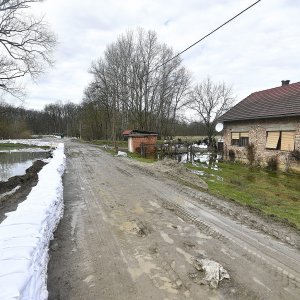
{"points": [[138, 139]]}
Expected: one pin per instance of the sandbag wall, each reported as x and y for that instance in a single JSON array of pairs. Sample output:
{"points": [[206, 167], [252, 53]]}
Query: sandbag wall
{"points": [[26, 233]]}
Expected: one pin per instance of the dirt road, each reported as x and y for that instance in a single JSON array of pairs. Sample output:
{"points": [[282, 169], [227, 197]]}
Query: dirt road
{"points": [[128, 233]]}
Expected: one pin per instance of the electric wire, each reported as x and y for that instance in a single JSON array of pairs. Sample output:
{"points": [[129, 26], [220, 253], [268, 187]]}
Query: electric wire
{"points": [[207, 35]]}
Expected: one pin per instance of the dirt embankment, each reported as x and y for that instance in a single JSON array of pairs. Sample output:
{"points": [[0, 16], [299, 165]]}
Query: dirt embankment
{"points": [[22, 185]]}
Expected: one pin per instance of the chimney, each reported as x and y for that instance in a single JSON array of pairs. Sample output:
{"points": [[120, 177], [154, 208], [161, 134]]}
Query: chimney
{"points": [[285, 82]]}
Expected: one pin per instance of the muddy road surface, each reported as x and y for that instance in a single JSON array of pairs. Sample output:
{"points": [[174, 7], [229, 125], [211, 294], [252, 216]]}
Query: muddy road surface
{"points": [[128, 233]]}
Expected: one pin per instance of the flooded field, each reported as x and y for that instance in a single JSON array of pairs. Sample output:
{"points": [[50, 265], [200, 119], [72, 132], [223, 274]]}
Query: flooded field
{"points": [[14, 163]]}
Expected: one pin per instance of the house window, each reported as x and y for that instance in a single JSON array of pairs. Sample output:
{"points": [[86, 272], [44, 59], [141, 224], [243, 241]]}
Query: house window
{"points": [[235, 137], [244, 139], [272, 139], [240, 139], [281, 140], [287, 140]]}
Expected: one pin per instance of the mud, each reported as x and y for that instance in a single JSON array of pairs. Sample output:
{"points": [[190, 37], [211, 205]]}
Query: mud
{"points": [[22, 184], [196, 188], [130, 232]]}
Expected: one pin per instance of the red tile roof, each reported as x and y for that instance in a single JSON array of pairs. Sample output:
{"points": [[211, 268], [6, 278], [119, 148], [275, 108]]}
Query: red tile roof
{"points": [[283, 101], [127, 132]]}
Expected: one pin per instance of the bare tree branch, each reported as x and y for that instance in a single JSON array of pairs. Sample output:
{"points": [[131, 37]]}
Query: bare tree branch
{"points": [[26, 44], [210, 100]]}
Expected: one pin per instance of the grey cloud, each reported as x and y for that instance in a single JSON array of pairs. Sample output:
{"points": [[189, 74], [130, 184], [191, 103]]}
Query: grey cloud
{"points": [[254, 52]]}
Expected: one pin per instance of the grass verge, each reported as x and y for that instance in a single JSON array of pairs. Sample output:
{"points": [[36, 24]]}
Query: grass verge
{"points": [[122, 145], [276, 194], [11, 146]]}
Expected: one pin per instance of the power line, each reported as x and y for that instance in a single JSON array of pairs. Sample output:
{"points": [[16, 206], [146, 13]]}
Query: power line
{"points": [[213, 31]]}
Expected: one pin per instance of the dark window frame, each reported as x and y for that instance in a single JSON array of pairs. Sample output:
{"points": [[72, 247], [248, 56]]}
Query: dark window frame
{"points": [[241, 142], [235, 142], [244, 141]]}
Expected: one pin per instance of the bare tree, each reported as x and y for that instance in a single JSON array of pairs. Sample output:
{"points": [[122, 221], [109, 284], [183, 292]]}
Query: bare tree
{"points": [[26, 44], [210, 100], [134, 91]]}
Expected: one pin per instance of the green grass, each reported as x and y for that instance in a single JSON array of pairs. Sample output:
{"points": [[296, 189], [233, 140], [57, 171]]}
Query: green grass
{"points": [[276, 194], [10, 146]]}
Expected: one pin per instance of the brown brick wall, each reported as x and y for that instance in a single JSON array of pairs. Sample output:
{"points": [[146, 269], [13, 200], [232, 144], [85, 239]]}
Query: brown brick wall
{"points": [[257, 135], [137, 141]]}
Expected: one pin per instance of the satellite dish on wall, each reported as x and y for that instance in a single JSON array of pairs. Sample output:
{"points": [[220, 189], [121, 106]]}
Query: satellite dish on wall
{"points": [[219, 127]]}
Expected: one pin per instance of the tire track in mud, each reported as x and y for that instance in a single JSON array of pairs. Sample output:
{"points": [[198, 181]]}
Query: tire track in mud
{"points": [[276, 268], [255, 250], [109, 203], [227, 208], [121, 279], [174, 197]]}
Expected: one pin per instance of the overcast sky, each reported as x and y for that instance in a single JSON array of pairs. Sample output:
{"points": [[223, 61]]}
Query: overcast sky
{"points": [[254, 52]]}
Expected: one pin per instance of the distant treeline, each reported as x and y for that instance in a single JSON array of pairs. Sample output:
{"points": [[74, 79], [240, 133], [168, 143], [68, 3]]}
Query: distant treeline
{"points": [[71, 120], [130, 89], [139, 83]]}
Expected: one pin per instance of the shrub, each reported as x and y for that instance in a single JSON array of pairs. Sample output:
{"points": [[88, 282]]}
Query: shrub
{"points": [[251, 153], [231, 154], [296, 154], [272, 163], [287, 162]]}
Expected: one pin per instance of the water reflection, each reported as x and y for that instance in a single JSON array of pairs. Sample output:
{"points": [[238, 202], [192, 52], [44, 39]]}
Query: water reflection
{"points": [[207, 160], [209, 176], [16, 163]]}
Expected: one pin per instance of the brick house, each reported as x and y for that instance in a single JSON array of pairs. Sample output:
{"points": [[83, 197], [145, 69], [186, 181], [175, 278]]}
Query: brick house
{"points": [[268, 119], [139, 138]]}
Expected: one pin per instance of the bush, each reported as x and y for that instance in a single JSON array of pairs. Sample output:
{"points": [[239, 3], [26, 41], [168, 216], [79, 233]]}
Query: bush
{"points": [[251, 153], [272, 163], [296, 154], [231, 154]]}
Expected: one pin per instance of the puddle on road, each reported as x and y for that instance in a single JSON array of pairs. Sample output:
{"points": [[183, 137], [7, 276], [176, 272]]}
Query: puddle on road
{"points": [[154, 204], [166, 237], [155, 273], [145, 266], [138, 209], [187, 256]]}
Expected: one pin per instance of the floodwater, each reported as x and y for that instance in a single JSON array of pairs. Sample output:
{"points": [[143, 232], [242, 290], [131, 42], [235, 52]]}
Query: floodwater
{"points": [[207, 160], [15, 163], [210, 159]]}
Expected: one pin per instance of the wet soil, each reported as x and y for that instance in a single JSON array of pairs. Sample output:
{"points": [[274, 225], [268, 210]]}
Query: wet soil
{"points": [[197, 189], [133, 231], [24, 182]]}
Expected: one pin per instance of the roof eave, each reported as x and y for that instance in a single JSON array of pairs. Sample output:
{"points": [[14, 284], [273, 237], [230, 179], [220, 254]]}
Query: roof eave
{"points": [[259, 118]]}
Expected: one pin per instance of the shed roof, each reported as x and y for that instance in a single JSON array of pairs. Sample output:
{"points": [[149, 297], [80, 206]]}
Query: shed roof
{"points": [[136, 132], [283, 101], [127, 132]]}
